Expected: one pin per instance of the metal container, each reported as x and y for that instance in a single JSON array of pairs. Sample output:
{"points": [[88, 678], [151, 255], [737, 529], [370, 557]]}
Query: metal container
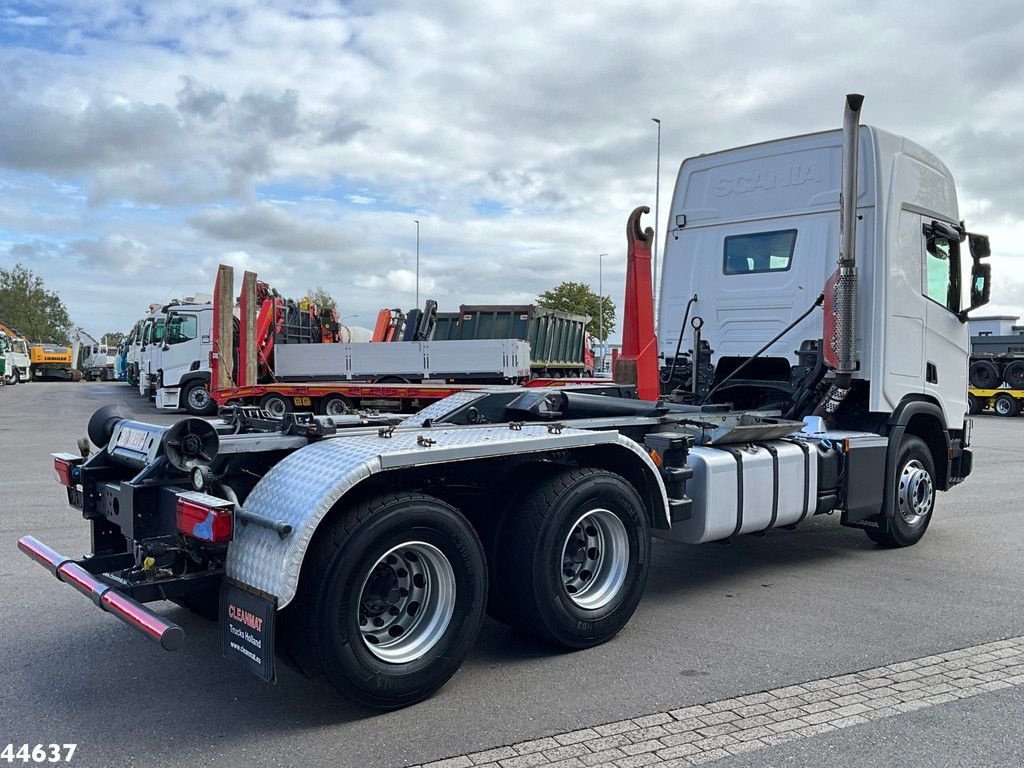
{"points": [[556, 338], [446, 327]]}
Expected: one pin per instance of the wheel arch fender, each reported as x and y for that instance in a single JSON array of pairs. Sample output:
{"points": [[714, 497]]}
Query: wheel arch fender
{"points": [[188, 378], [304, 487], [631, 462], [922, 417]]}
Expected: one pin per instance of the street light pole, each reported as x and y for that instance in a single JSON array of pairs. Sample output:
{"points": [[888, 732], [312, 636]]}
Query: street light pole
{"points": [[657, 200], [417, 262], [600, 304]]}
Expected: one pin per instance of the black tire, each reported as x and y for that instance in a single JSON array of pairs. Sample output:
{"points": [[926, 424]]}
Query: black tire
{"points": [[913, 497], [391, 379], [983, 374], [974, 406], [334, 405], [322, 630], [1013, 374], [276, 405], [603, 518], [197, 400], [1006, 405]]}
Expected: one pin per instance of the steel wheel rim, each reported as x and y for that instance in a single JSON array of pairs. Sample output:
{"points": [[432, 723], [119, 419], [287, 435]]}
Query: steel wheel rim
{"points": [[1002, 406], [275, 407], [595, 559], [916, 492], [406, 602], [335, 407], [198, 397]]}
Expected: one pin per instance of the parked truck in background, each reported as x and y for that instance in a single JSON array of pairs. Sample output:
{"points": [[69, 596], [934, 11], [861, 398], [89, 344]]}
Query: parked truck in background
{"points": [[368, 547], [96, 360], [18, 363]]}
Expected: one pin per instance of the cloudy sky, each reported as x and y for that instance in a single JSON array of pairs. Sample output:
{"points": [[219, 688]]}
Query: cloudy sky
{"points": [[141, 144]]}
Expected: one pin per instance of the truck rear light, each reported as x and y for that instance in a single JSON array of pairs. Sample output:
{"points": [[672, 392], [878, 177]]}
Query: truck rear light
{"points": [[205, 517], [66, 467]]}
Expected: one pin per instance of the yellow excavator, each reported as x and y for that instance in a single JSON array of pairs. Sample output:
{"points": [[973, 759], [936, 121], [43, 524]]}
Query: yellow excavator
{"points": [[45, 361]]}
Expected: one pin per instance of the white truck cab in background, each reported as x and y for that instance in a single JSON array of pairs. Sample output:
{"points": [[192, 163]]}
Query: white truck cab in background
{"points": [[180, 363]]}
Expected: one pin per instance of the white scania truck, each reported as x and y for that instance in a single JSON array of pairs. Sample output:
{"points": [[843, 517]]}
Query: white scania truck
{"points": [[365, 549]]}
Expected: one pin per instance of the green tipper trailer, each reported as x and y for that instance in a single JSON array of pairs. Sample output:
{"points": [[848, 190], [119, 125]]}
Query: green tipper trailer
{"points": [[557, 339]]}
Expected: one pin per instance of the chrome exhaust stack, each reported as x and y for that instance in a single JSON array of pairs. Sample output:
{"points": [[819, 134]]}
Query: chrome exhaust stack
{"points": [[841, 289]]}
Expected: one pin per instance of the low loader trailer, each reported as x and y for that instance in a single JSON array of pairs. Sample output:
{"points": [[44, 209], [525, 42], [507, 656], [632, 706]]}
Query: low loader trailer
{"points": [[365, 549]]}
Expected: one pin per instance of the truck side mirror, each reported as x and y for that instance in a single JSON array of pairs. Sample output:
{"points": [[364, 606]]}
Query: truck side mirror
{"points": [[980, 248], [981, 284]]}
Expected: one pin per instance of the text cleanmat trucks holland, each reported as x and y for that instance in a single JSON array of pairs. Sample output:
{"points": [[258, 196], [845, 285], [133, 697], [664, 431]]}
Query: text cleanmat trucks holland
{"points": [[365, 549]]}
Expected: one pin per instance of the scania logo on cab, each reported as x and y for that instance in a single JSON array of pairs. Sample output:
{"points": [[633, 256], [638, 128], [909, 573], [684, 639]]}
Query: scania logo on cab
{"points": [[790, 176]]}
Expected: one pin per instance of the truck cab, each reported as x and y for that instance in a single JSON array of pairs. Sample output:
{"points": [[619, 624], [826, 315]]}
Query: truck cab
{"points": [[753, 236], [181, 362], [152, 339]]}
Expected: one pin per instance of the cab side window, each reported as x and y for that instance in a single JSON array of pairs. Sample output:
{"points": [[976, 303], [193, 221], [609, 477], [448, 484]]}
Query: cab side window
{"points": [[942, 275], [182, 328], [759, 252]]}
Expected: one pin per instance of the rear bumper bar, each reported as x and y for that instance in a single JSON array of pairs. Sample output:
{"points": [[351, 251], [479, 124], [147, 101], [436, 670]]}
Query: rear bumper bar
{"points": [[134, 614]]}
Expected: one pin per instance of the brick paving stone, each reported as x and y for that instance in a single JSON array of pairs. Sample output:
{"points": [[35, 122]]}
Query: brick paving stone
{"points": [[707, 757], [750, 734], [687, 712], [609, 729], [675, 739], [753, 698], [717, 730], [565, 752], [491, 755], [537, 745], [681, 726], [751, 722], [717, 718], [636, 761], [744, 746], [651, 745], [682, 750], [607, 742], [750, 710], [602, 757], [524, 761], [574, 737], [451, 762], [659, 718], [819, 685], [643, 734], [714, 742]]}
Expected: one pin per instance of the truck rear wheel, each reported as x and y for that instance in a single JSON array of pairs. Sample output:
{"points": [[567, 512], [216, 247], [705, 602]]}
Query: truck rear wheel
{"points": [[391, 600], [1006, 405], [1013, 374], [571, 561], [334, 405], [983, 374], [276, 405], [197, 399], [913, 499]]}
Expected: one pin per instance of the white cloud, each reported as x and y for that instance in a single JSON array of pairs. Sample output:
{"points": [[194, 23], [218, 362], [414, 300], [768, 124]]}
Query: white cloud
{"points": [[302, 139]]}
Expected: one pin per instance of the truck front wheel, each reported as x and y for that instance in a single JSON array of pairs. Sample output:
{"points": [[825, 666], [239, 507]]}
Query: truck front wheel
{"points": [[570, 562], [914, 497], [197, 399], [391, 600]]}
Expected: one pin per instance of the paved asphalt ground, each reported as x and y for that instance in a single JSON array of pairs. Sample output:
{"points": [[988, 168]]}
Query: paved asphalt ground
{"points": [[716, 622]]}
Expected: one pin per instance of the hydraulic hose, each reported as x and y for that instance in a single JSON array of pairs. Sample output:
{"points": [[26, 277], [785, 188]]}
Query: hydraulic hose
{"points": [[817, 303], [679, 344]]}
